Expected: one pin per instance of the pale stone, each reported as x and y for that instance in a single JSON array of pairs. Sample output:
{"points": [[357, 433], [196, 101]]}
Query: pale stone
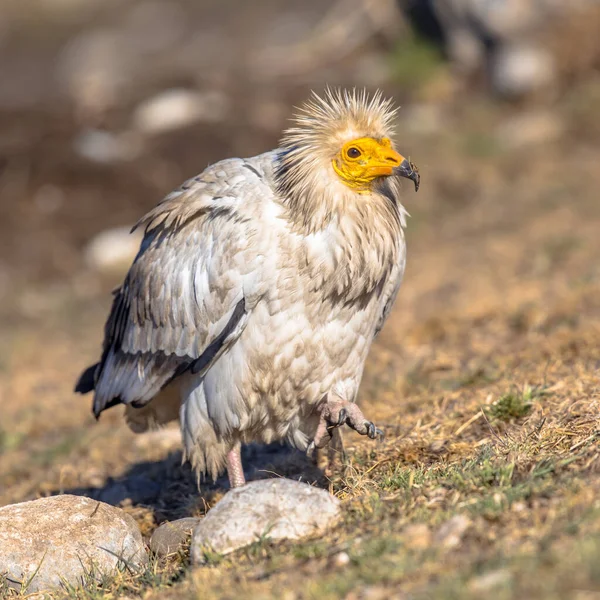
{"points": [[65, 538], [177, 108], [105, 147], [518, 70], [112, 251], [275, 509], [171, 536]]}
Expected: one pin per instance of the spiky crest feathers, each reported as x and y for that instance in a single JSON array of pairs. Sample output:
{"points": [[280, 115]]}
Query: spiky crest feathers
{"points": [[320, 128]]}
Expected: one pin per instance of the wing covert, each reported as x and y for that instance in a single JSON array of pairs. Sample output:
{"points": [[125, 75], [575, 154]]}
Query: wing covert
{"points": [[189, 292]]}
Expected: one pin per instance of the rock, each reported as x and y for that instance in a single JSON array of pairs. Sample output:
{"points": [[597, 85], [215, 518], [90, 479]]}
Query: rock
{"points": [[451, 533], [104, 147], [65, 537], [176, 108], [530, 128], [273, 508], [341, 559], [112, 251], [518, 70], [169, 537]]}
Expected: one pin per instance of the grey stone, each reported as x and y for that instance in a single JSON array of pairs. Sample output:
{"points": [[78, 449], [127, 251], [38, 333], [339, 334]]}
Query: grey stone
{"points": [[65, 538], [518, 70], [272, 508], [104, 147], [169, 537], [178, 108], [112, 251]]}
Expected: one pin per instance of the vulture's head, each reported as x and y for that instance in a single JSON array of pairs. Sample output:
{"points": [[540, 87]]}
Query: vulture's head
{"points": [[340, 150]]}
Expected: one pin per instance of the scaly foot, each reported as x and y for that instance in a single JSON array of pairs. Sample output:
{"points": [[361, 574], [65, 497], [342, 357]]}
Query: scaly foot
{"points": [[335, 413]]}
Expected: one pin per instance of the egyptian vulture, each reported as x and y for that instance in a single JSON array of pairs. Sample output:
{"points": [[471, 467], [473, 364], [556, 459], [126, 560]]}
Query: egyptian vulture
{"points": [[258, 288]]}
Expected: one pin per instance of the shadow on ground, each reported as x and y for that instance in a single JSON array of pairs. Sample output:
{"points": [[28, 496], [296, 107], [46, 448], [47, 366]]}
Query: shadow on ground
{"points": [[170, 487]]}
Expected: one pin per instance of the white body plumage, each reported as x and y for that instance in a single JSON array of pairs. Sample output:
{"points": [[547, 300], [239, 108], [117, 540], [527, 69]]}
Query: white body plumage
{"points": [[248, 304]]}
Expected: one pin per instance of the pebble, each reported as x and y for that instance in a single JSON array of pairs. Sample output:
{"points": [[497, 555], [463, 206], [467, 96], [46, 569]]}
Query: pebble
{"points": [[518, 70], [341, 559], [273, 508], [111, 252], [451, 533], [105, 147], [177, 108], [171, 536], [62, 537]]}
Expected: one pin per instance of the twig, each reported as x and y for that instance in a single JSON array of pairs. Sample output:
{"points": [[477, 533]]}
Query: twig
{"points": [[472, 420]]}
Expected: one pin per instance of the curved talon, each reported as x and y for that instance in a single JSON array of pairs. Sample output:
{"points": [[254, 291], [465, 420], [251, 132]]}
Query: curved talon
{"points": [[334, 414], [370, 429], [310, 450], [373, 431]]}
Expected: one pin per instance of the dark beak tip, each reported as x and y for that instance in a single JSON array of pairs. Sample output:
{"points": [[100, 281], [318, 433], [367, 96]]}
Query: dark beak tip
{"points": [[409, 170]]}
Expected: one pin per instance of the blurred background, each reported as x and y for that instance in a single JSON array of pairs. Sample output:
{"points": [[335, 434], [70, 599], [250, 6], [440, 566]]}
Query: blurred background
{"points": [[107, 105]]}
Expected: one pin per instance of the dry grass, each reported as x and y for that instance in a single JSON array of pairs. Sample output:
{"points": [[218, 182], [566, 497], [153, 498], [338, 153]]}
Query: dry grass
{"points": [[485, 380]]}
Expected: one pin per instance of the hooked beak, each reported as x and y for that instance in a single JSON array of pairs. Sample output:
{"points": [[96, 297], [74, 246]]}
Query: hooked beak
{"points": [[409, 170]]}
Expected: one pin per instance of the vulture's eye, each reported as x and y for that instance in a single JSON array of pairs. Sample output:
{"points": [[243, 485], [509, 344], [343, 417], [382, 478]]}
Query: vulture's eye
{"points": [[353, 152]]}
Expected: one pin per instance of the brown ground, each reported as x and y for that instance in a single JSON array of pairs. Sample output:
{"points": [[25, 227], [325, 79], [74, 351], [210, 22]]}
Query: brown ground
{"points": [[485, 378]]}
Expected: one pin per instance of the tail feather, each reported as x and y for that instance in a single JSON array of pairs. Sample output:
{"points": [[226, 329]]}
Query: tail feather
{"points": [[87, 381]]}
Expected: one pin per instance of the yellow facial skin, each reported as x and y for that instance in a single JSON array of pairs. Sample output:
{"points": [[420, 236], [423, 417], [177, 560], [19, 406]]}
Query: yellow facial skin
{"points": [[361, 161]]}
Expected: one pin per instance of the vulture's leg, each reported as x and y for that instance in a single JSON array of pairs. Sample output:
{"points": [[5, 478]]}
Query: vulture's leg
{"points": [[335, 451], [335, 454], [335, 413], [235, 470]]}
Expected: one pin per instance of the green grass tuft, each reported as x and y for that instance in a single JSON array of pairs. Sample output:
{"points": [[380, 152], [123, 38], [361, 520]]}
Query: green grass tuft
{"points": [[516, 404]]}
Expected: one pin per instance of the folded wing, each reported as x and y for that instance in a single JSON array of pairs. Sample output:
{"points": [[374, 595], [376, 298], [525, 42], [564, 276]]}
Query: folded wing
{"points": [[189, 292]]}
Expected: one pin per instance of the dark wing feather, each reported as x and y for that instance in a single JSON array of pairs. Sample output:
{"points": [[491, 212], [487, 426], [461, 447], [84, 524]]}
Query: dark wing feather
{"points": [[189, 292]]}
